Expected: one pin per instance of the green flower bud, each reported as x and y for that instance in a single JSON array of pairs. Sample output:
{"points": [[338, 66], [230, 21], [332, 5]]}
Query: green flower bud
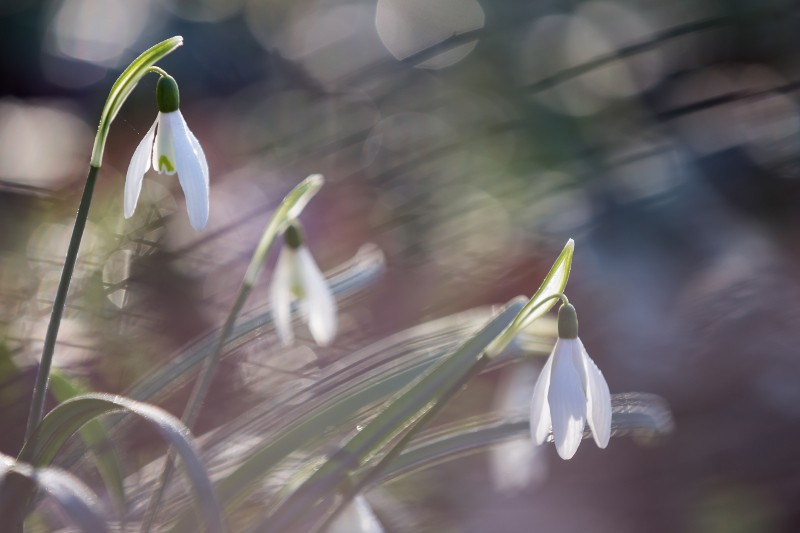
{"points": [[167, 94], [293, 236], [567, 322]]}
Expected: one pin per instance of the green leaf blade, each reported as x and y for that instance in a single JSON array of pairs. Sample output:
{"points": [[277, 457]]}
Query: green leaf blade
{"points": [[77, 501], [68, 417], [96, 439]]}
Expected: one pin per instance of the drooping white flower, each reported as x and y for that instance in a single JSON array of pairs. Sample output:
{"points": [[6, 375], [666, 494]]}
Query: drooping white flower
{"points": [[357, 517], [570, 391], [170, 147], [298, 277]]}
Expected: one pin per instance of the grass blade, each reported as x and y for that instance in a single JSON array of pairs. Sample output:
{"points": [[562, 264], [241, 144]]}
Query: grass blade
{"points": [[96, 439], [75, 499], [68, 417]]}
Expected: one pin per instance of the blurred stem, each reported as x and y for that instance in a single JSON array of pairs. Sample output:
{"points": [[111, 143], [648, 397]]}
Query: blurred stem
{"points": [[290, 207], [40, 388], [195, 402]]}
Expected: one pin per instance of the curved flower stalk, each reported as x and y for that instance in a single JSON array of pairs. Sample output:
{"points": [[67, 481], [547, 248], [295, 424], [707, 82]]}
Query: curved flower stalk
{"points": [[357, 517], [298, 277], [171, 147], [570, 391]]}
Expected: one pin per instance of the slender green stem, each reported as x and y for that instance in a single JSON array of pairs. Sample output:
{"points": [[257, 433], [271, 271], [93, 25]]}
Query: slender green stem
{"points": [[40, 388], [195, 402], [158, 70]]}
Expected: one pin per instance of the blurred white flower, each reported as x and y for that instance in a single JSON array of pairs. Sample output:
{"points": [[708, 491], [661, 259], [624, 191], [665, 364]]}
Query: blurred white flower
{"points": [[171, 148], [570, 391], [356, 518], [515, 464], [298, 277]]}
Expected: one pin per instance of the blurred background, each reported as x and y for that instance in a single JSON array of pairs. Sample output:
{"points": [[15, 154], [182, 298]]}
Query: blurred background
{"points": [[468, 139]]}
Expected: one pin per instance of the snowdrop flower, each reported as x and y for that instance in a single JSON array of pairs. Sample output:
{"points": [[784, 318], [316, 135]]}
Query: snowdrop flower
{"points": [[357, 517], [297, 276], [171, 148], [570, 391]]}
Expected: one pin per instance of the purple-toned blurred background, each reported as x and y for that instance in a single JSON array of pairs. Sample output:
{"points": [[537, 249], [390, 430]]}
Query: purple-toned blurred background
{"points": [[468, 139]]}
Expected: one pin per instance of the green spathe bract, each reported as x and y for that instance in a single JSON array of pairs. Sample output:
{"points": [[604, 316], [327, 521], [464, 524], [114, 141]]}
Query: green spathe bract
{"points": [[123, 87], [542, 300]]}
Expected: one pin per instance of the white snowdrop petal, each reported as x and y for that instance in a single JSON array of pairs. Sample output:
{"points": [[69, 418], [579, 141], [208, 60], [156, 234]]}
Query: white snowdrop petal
{"points": [[321, 306], [540, 410], [201, 155], [137, 169], [281, 296], [163, 148], [357, 517], [191, 173], [567, 400], [598, 406]]}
